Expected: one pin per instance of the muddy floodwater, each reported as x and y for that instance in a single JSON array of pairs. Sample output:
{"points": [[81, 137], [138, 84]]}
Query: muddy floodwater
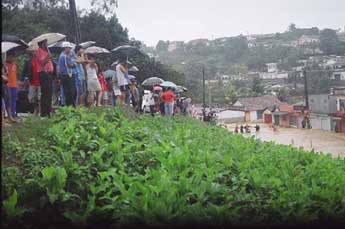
{"points": [[319, 140]]}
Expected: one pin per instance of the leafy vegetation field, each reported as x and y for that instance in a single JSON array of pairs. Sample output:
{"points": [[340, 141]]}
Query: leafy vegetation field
{"points": [[89, 167]]}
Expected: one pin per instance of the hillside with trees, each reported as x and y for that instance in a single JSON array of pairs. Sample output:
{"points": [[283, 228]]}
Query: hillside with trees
{"points": [[236, 56]]}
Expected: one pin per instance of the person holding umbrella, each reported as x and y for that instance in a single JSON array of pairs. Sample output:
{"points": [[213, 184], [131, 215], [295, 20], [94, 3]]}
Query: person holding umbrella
{"points": [[68, 72], [80, 79], [93, 85], [45, 70], [121, 72]]}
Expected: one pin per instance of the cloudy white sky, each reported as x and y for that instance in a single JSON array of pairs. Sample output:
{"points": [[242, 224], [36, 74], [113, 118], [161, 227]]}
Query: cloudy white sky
{"points": [[154, 20]]}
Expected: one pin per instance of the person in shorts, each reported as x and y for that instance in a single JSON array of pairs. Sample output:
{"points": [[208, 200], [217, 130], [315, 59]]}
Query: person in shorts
{"points": [[93, 85], [121, 71]]}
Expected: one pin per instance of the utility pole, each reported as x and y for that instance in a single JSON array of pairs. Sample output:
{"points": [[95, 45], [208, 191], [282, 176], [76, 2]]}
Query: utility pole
{"points": [[75, 21], [203, 94], [306, 88]]}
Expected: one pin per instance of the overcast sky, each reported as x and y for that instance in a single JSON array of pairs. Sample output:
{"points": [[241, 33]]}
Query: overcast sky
{"points": [[154, 20]]}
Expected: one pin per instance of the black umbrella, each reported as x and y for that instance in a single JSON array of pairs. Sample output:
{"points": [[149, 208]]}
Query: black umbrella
{"points": [[126, 51], [12, 38]]}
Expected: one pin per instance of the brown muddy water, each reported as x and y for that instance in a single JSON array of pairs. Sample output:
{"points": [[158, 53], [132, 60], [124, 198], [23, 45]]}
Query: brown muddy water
{"points": [[319, 140]]}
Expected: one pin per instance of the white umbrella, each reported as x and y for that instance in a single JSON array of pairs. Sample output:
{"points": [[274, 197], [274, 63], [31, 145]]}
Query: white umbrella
{"points": [[58, 46], [87, 44], [168, 84], [50, 37], [134, 69], [6, 46], [96, 50], [117, 62], [130, 77], [152, 81]]}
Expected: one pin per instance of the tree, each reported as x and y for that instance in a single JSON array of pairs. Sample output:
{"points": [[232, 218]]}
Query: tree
{"points": [[328, 41], [162, 46], [257, 86], [292, 27], [283, 94], [230, 93]]}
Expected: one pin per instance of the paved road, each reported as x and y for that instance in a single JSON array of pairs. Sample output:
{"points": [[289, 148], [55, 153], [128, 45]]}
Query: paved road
{"points": [[319, 140]]}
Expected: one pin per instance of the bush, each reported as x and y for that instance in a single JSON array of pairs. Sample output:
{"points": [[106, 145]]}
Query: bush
{"points": [[155, 171]]}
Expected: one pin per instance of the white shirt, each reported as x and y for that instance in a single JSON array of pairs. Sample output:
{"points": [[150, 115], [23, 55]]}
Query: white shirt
{"points": [[121, 80]]}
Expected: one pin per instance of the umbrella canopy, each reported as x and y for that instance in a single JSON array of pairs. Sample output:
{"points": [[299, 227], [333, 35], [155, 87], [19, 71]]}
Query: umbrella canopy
{"points": [[50, 37], [87, 44], [6, 46], [14, 39], [152, 81], [59, 46], [96, 50], [180, 88], [117, 62], [131, 77], [134, 69], [168, 84], [109, 74], [126, 50], [157, 88]]}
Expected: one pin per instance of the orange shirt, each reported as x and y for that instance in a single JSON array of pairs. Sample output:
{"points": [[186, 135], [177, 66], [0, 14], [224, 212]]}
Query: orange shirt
{"points": [[12, 74], [168, 97]]}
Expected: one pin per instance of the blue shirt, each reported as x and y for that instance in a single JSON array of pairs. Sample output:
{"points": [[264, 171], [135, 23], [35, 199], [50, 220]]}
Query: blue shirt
{"points": [[71, 60], [62, 64], [67, 60]]}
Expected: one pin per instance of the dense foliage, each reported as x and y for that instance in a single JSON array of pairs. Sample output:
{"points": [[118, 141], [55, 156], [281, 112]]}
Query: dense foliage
{"points": [[88, 167]]}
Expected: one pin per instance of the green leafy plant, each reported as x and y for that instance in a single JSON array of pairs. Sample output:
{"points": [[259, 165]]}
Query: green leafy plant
{"points": [[54, 180]]}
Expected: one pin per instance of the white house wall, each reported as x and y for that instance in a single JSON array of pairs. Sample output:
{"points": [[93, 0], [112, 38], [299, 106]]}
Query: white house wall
{"points": [[253, 116], [320, 122], [229, 116]]}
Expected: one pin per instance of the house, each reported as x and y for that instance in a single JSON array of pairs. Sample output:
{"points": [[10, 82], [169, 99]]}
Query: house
{"points": [[339, 93], [273, 75], [321, 107], [338, 74], [254, 107], [230, 116], [335, 62], [306, 40], [173, 45], [198, 42], [272, 67], [281, 115]]}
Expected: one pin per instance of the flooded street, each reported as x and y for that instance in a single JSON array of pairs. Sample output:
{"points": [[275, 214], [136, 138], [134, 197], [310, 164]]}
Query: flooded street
{"points": [[319, 140]]}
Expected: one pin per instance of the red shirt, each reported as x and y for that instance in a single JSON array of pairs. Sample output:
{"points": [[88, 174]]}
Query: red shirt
{"points": [[41, 55], [102, 81], [168, 97], [35, 80]]}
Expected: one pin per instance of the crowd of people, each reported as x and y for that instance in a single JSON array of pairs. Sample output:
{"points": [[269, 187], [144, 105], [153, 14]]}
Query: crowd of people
{"points": [[241, 129], [77, 80], [165, 102]]}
